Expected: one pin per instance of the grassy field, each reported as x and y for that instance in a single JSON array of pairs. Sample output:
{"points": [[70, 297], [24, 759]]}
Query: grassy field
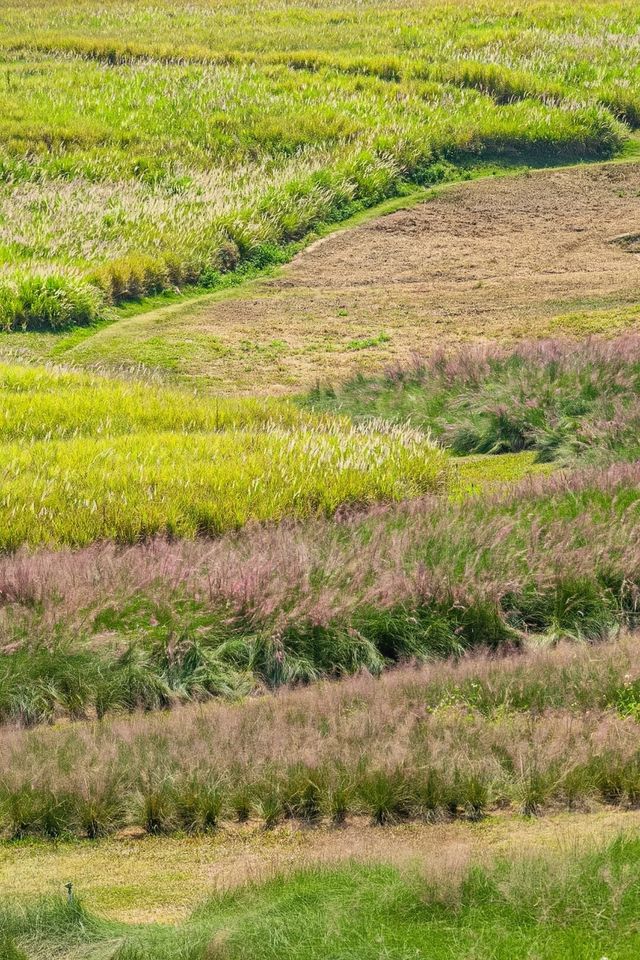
{"points": [[418, 277], [135, 878], [495, 546], [350, 673], [170, 464], [432, 744], [268, 125], [106, 629], [580, 904]]}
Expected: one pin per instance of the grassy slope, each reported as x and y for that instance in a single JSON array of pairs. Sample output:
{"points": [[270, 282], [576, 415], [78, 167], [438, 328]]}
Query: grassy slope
{"points": [[582, 906], [552, 555], [137, 319], [562, 400], [299, 160], [566, 890], [183, 466], [341, 911], [188, 337]]}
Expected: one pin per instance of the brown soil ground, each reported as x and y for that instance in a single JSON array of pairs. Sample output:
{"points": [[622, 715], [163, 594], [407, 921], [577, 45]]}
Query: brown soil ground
{"points": [[531, 255], [139, 879]]}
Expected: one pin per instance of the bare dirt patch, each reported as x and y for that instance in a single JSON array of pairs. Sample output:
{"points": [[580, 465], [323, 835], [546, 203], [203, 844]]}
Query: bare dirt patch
{"points": [[497, 258]]}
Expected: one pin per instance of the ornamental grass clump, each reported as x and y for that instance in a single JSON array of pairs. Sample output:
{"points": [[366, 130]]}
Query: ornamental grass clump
{"points": [[389, 749], [48, 302], [567, 402]]}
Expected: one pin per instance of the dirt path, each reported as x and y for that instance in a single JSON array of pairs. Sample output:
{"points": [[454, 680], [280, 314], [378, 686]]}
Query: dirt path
{"points": [[518, 256], [162, 879]]}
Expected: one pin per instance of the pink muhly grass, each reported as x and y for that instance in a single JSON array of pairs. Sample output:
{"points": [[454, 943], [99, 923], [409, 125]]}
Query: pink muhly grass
{"points": [[320, 571]]}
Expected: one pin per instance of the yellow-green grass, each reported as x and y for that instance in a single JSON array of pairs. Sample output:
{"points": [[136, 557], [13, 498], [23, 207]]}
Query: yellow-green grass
{"points": [[139, 879], [141, 484], [48, 403], [477, 474], [195, 32], [85, 459], [587, 322]]}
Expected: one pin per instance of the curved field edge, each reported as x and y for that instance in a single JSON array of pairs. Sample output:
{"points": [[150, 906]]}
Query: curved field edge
{"points": [[500, 111], [583, 904], [342, 308], [240, 281], [57, 302]]}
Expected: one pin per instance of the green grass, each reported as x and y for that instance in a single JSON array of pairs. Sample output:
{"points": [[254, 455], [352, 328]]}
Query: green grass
{"points": [[504, 551], [40, 403], [483, 474], [583, 906], [85, 458], [116, 143], [561, 400], [127, 488], [145, 151]]}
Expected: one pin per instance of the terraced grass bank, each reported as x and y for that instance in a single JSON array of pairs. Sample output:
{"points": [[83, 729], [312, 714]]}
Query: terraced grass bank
{"points": [[417, 280], [532, 733], [483, 551], [268, 123], [103, 629], [583, 905]]}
